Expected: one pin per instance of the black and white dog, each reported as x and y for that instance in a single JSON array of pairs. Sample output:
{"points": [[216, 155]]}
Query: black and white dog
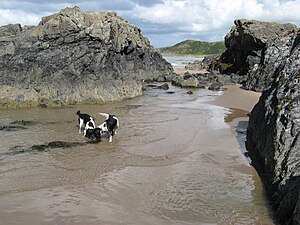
{"points": [[93, 133], [88, 127], [109, 126], [84, 119]]}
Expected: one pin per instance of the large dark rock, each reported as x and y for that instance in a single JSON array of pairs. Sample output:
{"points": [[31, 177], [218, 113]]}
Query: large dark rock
{"points": [[273, 135], [253, 48], [75, 57], [261, 76], [247, 39]]}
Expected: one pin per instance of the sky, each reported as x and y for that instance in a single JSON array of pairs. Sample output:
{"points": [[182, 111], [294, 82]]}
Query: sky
{"points": [[163, 22]]}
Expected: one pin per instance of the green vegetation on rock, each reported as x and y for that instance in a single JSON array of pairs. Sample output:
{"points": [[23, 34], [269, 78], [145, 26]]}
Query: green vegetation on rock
{"points": [[192, 47]]}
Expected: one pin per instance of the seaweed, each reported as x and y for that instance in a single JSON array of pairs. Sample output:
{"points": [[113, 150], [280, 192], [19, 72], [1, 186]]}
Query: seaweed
{"points": [[17, 150], [23, 122], [12, 128]]}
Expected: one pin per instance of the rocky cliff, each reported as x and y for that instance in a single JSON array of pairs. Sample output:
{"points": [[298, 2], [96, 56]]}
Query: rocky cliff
{"points": [[273, 135], [75, 57], [252, 49]]}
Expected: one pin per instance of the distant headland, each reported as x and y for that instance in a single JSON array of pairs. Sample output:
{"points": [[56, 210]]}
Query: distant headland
{"points": [[194, 48]]}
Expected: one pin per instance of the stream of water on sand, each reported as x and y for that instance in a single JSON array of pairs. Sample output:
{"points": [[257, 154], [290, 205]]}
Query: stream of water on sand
{"points": [[175, 160]]}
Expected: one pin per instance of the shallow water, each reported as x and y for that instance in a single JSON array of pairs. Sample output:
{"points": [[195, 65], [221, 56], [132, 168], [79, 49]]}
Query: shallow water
{"points": [[175, 160]]}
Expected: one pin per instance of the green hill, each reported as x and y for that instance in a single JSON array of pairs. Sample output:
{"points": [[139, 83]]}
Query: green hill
{"points": [[191, 47]]}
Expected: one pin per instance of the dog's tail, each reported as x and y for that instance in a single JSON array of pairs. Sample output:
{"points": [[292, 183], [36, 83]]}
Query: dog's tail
{"points": [[105, 115], [78, 113]]}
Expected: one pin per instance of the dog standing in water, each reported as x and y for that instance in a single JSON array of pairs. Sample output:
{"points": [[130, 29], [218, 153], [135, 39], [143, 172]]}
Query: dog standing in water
{"points": [[109, 126], [83, 119], [93, 133]]}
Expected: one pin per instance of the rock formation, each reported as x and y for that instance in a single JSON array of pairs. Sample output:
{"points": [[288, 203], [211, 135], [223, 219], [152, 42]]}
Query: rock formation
{"points": [[273, 135], [251, 47], [212, 80], [203, 64], [75, 57]]}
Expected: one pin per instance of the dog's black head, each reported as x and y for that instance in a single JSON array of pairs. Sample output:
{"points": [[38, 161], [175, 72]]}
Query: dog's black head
{"points": [[97, 133], [93, 134]]}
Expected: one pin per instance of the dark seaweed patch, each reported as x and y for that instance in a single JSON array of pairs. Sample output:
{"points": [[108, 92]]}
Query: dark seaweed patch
{"points": [[17, 150], [12, 128], [55, 144], [23, 123]]}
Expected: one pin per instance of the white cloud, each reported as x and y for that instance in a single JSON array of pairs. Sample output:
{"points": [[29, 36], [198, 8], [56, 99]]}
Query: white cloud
{"points": [[214, 16], [285, 11], [170, 20], [198, 16], [179, 12], [8, 16]]}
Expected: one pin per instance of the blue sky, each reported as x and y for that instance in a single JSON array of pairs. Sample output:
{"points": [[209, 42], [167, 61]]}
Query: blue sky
{"points": [[164, 22]]}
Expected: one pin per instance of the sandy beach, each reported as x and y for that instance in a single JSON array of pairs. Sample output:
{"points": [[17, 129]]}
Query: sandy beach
{"points": [[182, 71], [176, 160], [236, 97], [233, 96]]}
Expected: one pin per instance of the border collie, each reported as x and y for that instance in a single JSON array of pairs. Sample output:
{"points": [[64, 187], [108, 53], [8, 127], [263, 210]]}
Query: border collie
{"points": [[89, 126], [110, 125], [83, 119], [94, 134]]}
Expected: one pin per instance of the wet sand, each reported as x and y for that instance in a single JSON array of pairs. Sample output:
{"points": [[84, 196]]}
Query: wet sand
{"points": [[240, 103], [181, 71], [233, 97], [175, 160], [236, 97]]}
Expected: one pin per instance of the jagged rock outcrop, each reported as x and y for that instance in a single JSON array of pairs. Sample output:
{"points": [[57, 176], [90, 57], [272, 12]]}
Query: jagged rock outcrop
{"points": [[75, 57], [212, 80], [261, 75], [273, 135], [251, 48]]}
